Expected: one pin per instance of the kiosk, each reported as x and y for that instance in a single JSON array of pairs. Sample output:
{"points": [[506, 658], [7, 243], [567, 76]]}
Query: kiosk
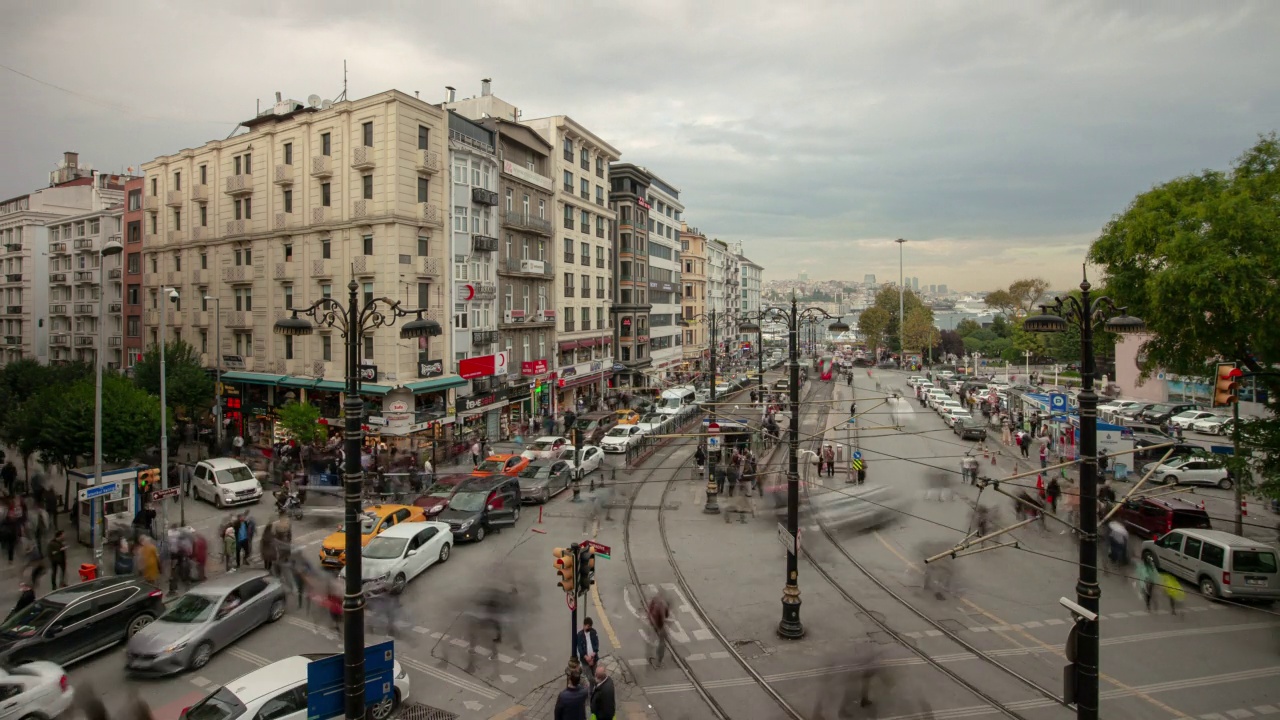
{"points": [[105, 505]]}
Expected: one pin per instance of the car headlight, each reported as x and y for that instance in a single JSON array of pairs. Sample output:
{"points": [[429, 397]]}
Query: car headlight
{"points": [[179, 647], [467, 524], [402, 674]]}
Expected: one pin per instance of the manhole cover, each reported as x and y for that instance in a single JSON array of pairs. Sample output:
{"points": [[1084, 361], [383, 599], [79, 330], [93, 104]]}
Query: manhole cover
{"points": [[418, 711], [751, 649]]}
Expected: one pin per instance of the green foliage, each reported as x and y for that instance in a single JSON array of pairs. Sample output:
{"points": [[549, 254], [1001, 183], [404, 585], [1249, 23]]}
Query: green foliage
{"points": [[967, 327], [188, 387], [919, 330], [301, 420], [872, 324], [1020, 298], [20, 381], [61, 418]]}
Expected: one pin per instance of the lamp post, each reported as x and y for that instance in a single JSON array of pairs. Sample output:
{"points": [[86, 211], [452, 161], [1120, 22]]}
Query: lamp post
{"points": [[902, 321], [1085, 312], [109, 248], [217, 343], [790, 626], [1026, 366], [173, 297], [713, 506], [353, 323]]}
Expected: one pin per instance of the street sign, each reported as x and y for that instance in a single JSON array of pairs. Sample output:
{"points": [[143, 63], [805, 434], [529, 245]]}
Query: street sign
{"points": [[95, 491], [857, 454], [713, 442], [713, 427], [1057, 402], [167, 492], [325, 692], [602, 551], [787, 539], [857, 464], [571, 600]]}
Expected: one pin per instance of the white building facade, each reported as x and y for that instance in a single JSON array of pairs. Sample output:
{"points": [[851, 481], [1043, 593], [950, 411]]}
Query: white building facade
{"points": [[750, 289], [665, 333]]}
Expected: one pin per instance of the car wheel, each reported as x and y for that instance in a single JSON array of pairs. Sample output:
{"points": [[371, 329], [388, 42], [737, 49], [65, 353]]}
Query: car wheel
{"points": [[1149, 558], [480, 533], [200, 656], [1208, 588], [1170, 479], [398, 583], [217, 501], [138, 622], [277, 610], [384, 709], [1225, 483], [445, 549]]}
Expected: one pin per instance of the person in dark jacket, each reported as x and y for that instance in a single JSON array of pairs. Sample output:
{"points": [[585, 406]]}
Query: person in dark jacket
{"points": [[603, 703], [571, 704], [58, 559], [587, 647], [28, 596]]}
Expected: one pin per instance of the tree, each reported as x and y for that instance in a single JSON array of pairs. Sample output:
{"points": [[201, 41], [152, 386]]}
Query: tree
{"points": [[301, 420], [19, 382], [872, 324], [1020, 298], [950, 343], [887, 300], [967, 327], [919, 330], [188, 387], [1001, 300]]}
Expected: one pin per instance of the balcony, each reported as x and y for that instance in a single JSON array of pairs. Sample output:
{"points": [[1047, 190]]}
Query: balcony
{"points": [[599, 232], [151, 318], [151, 203], [568, 325], [12, 309], [174, 278], [236, 274], [113, 341], [177, 237], [174, 199], [13, 247], [485, 290], [58, 279], [520, 221], [87, 309], [58, 248], [480, 196], [361, 265], [61, 340], [285, 221], [84, 244], [586, 194], [568, 258], [428, 162], [236, 227], [200, 193], [84, 340], [13, 277], [84, 276], [430, 213], [114, 308], [321, 166], [238, 185], [115, 273], [361, 208], [58, 309], [285, 271], [599, 262], [238, 319], [199, 318], [199, 234], [363, 158], [484, 243], [319, 215], [283, 175], [528, 267], [429, 266], [484, 337], [321, 268], [198, 276]]}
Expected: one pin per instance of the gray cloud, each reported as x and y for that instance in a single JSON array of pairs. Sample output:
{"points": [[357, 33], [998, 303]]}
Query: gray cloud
{"points": [[998, 136]]}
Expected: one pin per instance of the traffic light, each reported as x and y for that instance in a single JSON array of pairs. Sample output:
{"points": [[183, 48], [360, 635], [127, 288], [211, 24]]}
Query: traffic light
{"points": [[586, 568], [1226, 384], [148, 479], [565, 566]]}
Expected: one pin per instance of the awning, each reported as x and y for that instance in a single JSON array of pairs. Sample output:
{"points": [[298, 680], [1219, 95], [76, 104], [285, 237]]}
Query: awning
{"points": [[568, 345], [252, 378], [582, 380], [299, 382], [435, 384], [365, 388]]}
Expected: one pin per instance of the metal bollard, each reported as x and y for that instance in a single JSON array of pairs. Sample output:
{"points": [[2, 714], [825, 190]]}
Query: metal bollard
{"points": [[577, 490]]}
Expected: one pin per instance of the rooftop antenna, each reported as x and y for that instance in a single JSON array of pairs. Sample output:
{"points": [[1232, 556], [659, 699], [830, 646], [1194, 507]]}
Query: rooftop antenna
{"points": [[343, 96]]}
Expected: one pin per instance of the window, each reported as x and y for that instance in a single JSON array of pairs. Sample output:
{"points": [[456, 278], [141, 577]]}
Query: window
{"points": [[1213, 555], [368, 347], [155, 268], [460, 218], [600, 318], [288, 347], [326, 147], [133, 326], [586, 254], [424, 137], [510, 199], [460, 316], [568, 181], [326, 290], [368, 244], [368, 293], [204, 216], [244, 299], [1192, 548], [288, 200], [568, 217], [568, 319], [424, 187], [325, 248], [244, 344], [204, 174], [599, 256], [288, 153], [600, 195], [568, 284], [326, 348], [586, 318], [288, 297], [568, 149], [423, 248], [135, 263], [325, 196], [424, 294], [204, 340], [135, 293], [600, 287], [542, 209], [204, 298], [367, 182], [177, 262], [599, 166], [586, 287], [366, 133], [135, 201], [155, 184], [177, 180]]}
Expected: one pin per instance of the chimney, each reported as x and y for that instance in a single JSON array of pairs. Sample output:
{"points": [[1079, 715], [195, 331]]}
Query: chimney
{"points": [[485, 90], [449, 94]]}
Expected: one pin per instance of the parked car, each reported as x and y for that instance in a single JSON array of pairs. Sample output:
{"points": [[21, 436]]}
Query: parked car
{"points": [[589, 458], [593, 426], [1213, 425], [1153, 517], [1108, 410], [1133, 412], [374, 520], [782, 385], [79, 621], [481, 505], [505, 464], [1159, 414], [225, 482], [544, 479], [545, 447], [1190, 471], [279, 692], [652, 423], [1220, 564], [35, 690], [1187, 418], [1148, 450], [951, 413], [208, 618], [620, 438], [970, 429], [404, 552], [627, 416], [436, 497]]}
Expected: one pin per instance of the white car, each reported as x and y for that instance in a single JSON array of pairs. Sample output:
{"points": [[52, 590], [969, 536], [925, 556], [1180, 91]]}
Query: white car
{"points": [[1187, 419], [545, 447], [914, 380], [402, 552], [279, 691], [950, 414], [1115, 407], [1216, 425], [652, 423], [1190, 471], [619, 438], [35, 690], [949, 405], [589, 458], [935, 397], [225, 482]]}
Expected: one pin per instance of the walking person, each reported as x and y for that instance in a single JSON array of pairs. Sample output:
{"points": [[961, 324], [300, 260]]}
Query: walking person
{"points": [[659, 612], [571, 703], [1044, 455], [1051, 493], [228, 547], [57, 559], [1148, 576], [475, 454], [1172, 590]]}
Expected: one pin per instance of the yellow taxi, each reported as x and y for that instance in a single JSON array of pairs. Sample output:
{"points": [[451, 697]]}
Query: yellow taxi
{"points": [[627, 417], [373, 520]]}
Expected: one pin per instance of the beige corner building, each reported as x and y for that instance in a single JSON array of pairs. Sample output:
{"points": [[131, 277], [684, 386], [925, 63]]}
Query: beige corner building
{"points": [[693, 277]]}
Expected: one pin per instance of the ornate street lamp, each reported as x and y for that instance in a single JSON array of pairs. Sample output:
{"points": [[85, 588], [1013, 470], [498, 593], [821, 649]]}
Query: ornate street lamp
{"points": [[712, 506], [353, 322]]}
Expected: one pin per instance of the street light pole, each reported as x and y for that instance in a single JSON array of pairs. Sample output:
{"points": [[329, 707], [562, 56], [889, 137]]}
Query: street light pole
{"points": [[217, 341], [109, 248], [713, 506], [164, 411], [902, 321]]}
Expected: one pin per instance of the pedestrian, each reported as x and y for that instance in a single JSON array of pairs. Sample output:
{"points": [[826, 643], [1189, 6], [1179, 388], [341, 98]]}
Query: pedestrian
{"points": [[26, 596], [571, 703], [603, 700], [1148, 576], [1051, 493], [658, 611], [1044, 455], [57, 559], [242, 540], [1024, 442], [228, 547], [149, 560], [475, 454], [268, 549], [588, 649], [862, 472], [829, 455], [237, 445], [700, 457], [50, 499], [1118, 543], [1172, 590]]}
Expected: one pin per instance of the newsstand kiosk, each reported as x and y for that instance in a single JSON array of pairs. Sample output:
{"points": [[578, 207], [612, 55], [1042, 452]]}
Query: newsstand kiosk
{"points": [[105, 505]]}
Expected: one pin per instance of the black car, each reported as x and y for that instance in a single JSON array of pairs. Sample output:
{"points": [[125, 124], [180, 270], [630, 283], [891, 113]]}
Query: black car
{"points": [[970, 429], [1146, 453], [1160, 414], [79, 621], [593, 426], [482, 504], [782, 385]]}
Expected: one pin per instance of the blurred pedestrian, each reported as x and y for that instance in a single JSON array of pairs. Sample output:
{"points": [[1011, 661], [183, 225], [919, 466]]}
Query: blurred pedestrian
{"points": [[658, 611], [1052, 491], [1148, 576], [1172, 590], [587, 647], [57, 559], [26, 596], [125, 563], [149, 560], [228, 547]]}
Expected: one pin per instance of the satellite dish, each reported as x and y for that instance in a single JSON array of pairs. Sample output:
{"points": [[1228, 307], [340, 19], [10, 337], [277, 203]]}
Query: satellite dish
{"points": [[313, 101], [326, 104]]}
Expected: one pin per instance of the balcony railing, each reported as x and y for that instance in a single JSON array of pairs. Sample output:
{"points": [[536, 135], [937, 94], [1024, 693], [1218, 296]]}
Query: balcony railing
{"points": [[599, 293], [238, 319], [151, 203], [484, 337], [480, 196], [57, 248], [84, 340], [586, 293], [586, 194], [319, 215], [199, 234], [568, 325], [236, 227], [174, 278], [363, 158], [58, 278], [84, 244], [13, 277], [113, 341], [360, 265], [428, 162], [114, 307], [599, 262], [283, 174], [430, 213], [87, 308], [151, 318], [429, 266], [538, 225], [284, 270], [568, 258], [586, 261], [115, 273], [484, 243], [321, 268], [58, 309], [528, 267], [12, 309], [599, 232], [321, 166], [485, 290], [84, 276], [235, 273], [60, 339], [568, 187], [177, 237], [361, 208], [174, 199], [570, 291], [199, 318], [200, 193], [240, 184]]}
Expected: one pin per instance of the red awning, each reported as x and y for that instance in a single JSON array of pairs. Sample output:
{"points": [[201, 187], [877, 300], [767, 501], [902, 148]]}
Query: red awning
{"points": [[569, 345], [582, 380]]}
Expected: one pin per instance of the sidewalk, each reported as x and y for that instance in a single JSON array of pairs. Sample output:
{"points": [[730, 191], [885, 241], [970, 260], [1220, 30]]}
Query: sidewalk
{"points": [[541, 703]]}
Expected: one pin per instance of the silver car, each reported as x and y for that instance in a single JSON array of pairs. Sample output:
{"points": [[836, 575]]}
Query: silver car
{"points": [[207, 619], [544, 479]]}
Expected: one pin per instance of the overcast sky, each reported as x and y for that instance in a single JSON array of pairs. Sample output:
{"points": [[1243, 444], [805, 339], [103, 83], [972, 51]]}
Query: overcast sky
{"points": [[998, 137]]}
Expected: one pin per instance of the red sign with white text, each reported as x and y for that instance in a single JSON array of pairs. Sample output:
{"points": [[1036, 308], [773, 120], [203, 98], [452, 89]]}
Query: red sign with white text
{"points": [[533, 367], [483, 366]]}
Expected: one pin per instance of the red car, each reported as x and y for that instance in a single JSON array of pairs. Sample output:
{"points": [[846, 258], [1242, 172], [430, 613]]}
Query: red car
{"points": [[437, 497]]}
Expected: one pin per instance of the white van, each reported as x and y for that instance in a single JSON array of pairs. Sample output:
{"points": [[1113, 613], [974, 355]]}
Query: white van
{"points": [[224, 482], [675, 400]]}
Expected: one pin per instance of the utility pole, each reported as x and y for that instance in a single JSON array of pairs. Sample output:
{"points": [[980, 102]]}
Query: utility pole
{"points": [[902, 320]]}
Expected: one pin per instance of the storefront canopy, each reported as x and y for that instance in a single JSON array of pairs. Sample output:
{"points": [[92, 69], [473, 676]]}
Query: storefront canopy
{"points": [[340, 386], [252, 378], [300, 382], [434, 384]]}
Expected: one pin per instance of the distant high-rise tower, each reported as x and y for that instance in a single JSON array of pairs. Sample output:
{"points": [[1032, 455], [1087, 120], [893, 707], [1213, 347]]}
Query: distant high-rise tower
{"points": [[868, 279], [942, 289], [915, 284], [933, 289], [804, 276]]}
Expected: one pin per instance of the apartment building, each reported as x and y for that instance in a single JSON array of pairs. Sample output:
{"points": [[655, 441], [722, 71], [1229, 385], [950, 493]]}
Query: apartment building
{"points": [[582, 245], [723, 281], [28, 224], [131, 222], [85, 289], [693, 300], [307, 199], [628, 190], [752, 284], [665, 333]]}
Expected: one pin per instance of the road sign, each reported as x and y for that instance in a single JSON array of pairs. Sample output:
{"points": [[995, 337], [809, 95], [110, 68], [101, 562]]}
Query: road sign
{"points": [[571, 600], [713, 442], [325, 693], [168, 492], [602, 551], [857, 454], [95, 491], [857, 464], [713, 427], [1057, 402], [787, 539]]}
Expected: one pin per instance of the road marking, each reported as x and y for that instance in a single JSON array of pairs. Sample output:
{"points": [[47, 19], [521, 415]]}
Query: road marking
{"points": [[697, 656], [509, 713], [200, 681], [421, 630], [1266, 709], [449, 678], [604, 618], [718, 655], [1032, 624], [248, 656], [526, 666], [1241, 713]]}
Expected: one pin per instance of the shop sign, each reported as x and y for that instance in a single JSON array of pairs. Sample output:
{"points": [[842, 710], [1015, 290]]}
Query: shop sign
{"points": [[368, 372], [533, 367], [474, 402], [483, 366], [528, 176], [233, 362], [430, 368], [376, 420]]}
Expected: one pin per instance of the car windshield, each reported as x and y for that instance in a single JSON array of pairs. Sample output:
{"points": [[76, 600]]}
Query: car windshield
{"points": [[192, 608], [544, 444], [1256, 561], [368, 521], [653, 419], [619, 432], [492, 466], [585, 424], [536, 471], [385, 548], [469, 501], [240, 473], [673, 403], [31, 619], [440, 490], [221, 705]]}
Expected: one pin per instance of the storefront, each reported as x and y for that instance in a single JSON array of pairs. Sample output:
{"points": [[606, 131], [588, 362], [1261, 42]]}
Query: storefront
{"points": [[481, 415], [424, 415], [582, 385]]}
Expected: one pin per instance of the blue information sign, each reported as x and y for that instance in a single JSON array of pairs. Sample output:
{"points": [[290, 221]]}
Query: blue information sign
{"points": [[95, 491], [325, 694], [1057, 402], [857, 454]]}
